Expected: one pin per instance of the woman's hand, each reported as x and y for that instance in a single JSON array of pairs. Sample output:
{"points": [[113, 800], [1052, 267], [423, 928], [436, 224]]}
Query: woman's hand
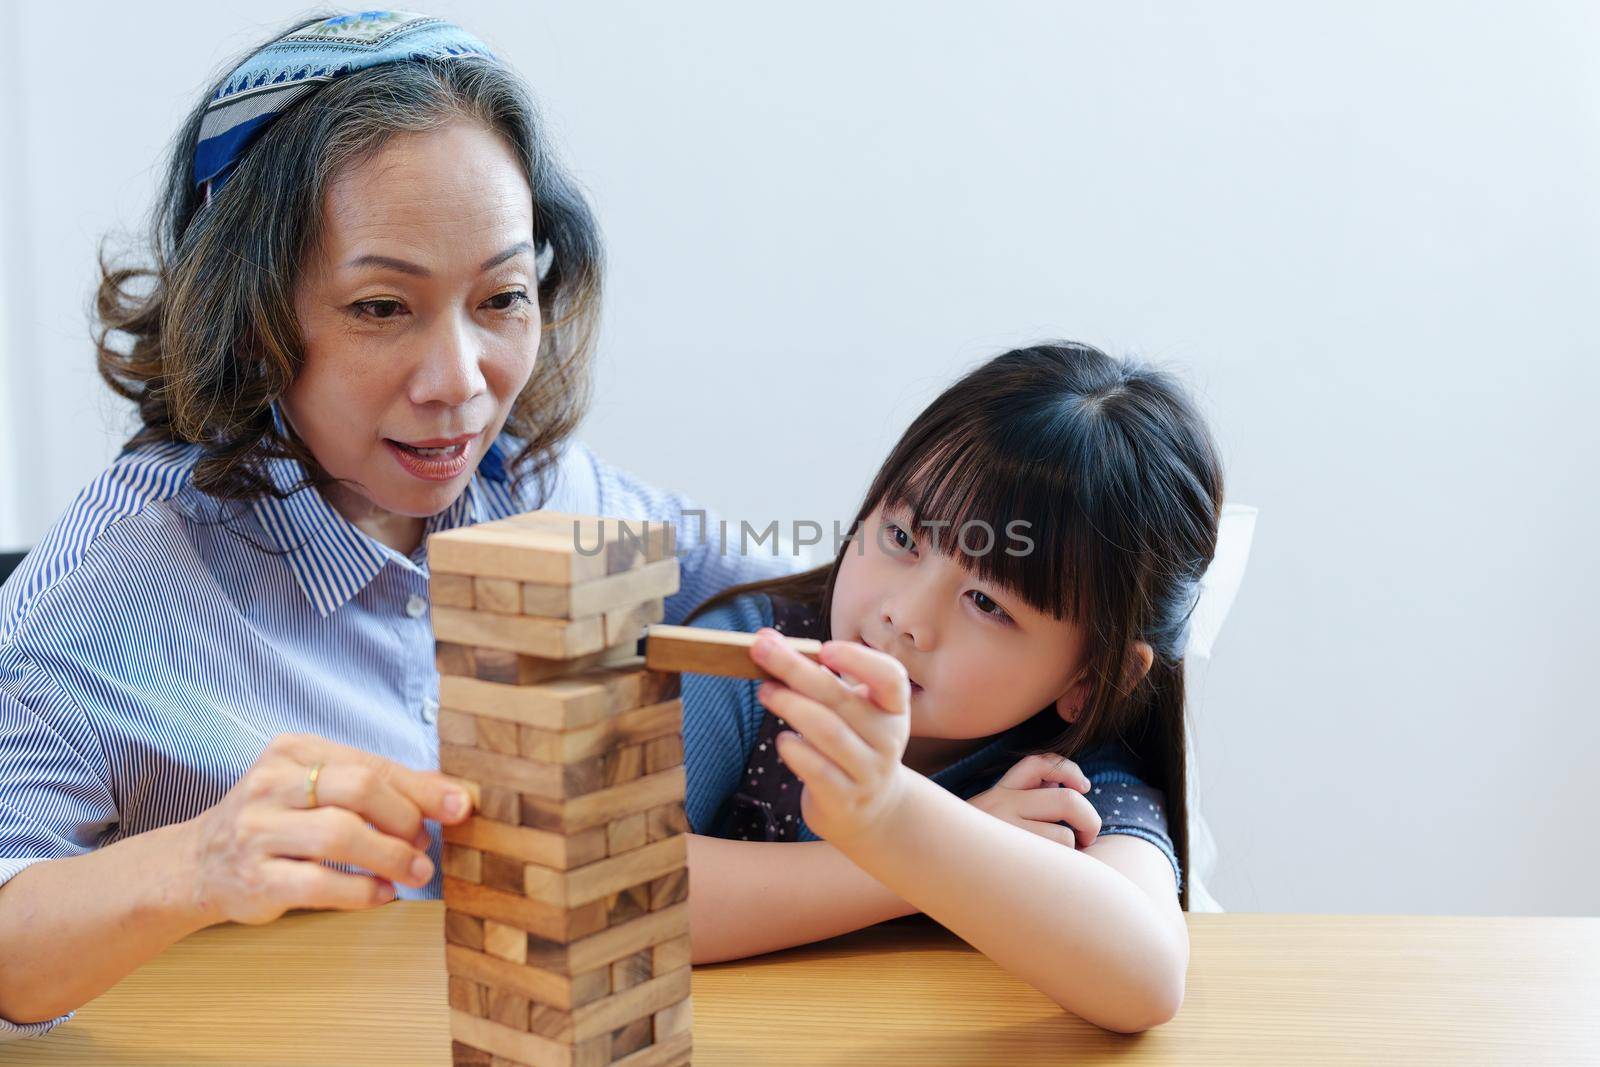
{"points": [[851, 736], [257, 852], [1031, 795]]}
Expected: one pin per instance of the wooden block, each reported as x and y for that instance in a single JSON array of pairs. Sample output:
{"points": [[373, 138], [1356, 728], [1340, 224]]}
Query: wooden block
{"points": [[559, 639], [466, 995], [627, 543], [457, 727], [629, 727], [533, 983], [534, 916], [674, 1052], [633, 1037], [674, 1020], [463, 930], [450, 590], [622, 765], [520, 1046], [498, 804], [503, 596], [514, 668], [671, 955], [630, 971], [493, 735], [568, 703], [505, 942], [502, 872], [549, 781], [653, 581], [671, 888], [507, 1008], [662, 753], [628, 624], [666, 820], [721, 652], [467, 1056], [614, 1011], [561, 851], [601, 949], [503, 549], [626, 905], [627, 834], [463, 863], [603, 805], [581, 885]]}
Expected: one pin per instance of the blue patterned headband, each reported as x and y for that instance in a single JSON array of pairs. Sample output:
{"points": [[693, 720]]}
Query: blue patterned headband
{"points": [[294, 66]]}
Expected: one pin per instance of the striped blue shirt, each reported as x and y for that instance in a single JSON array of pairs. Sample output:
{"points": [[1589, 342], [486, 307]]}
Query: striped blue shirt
{"points": [[156, 639], [722, 717]]}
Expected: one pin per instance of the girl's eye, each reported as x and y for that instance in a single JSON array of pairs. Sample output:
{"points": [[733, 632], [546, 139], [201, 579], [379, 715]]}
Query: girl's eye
{"points": [[986, 604], [900, 539]]}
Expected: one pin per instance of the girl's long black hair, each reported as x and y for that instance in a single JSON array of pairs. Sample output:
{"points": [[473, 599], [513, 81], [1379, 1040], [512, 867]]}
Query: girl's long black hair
{"points": [[1118, 481]]}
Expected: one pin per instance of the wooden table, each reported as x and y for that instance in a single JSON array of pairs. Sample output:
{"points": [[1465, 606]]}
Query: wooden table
{"points": [[340, 990]]}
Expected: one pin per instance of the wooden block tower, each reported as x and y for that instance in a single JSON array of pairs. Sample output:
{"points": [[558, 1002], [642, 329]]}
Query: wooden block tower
{"points": [[566, 895]]}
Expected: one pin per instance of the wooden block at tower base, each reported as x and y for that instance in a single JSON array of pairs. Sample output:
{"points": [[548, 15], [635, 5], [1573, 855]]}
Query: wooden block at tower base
{"points": [[701, 651]]}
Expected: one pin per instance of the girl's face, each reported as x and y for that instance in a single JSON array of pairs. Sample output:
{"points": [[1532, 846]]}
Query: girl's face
{"points": [[980, 659], [420, 321]]}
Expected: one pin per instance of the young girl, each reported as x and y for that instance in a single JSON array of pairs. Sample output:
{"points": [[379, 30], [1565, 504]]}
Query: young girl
{"points": [[1009, 619]]}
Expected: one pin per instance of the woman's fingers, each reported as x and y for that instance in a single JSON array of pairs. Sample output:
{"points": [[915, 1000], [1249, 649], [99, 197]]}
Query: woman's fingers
{"points": [[299, 884], [1036, 770], [829, 735], [341, 836], [432, 794]]}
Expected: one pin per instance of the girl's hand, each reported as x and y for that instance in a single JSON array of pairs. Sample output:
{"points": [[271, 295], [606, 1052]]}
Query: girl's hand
{"points": [[1031, 795], [851, 736], [258, 851]]}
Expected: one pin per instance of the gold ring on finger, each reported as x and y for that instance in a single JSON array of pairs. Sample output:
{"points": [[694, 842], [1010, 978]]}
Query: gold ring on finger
{"points": [[312, 774]]}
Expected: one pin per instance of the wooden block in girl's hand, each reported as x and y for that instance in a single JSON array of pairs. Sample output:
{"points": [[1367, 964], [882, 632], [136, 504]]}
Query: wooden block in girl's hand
{"points": [[699, 651]]}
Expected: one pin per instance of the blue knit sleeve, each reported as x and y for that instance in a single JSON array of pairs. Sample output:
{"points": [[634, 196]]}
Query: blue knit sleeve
{"points": [[720, 719], [1126, 803]]}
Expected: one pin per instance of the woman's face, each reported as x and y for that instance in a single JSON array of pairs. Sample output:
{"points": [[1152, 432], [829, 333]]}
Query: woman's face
{"points": [[980, 659], [420, 321]]}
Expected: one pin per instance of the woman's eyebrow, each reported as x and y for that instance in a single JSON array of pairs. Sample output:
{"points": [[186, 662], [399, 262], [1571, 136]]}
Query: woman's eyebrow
{"points": [[404, 267]]}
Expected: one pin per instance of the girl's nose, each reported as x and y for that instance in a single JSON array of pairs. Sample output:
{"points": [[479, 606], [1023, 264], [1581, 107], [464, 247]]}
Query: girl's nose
{"points": [[910, 618]]}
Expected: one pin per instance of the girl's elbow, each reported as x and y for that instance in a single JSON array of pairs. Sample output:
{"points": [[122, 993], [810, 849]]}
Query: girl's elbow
{"points": [[1152, 1006]]}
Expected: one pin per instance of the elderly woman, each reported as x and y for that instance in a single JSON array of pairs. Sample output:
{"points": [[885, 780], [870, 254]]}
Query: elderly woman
{"points": [[369, 319]]}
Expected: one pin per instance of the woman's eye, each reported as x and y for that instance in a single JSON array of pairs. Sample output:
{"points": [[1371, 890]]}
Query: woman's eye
{"points": [[517, 296], [362, 309], [987, 605]]}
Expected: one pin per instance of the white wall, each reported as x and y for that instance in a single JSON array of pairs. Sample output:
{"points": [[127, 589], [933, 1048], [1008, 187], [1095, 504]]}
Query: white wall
{"points": [[1367, 235]]}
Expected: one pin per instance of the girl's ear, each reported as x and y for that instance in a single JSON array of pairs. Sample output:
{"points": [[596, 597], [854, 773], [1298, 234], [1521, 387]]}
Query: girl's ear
{"points": [[1070, 704]]}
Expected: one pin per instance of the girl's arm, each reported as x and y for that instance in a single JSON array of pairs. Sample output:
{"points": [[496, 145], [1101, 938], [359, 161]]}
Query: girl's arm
{"points": [[1098, 931], [750, 897], [1085, 934]]}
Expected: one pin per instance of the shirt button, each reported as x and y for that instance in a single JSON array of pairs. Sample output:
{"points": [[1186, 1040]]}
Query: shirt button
{"points": [[430, 711], [416, 606]]}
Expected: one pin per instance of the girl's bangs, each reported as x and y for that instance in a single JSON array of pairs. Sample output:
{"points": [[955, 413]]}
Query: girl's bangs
{"points": [[1013, 514]]}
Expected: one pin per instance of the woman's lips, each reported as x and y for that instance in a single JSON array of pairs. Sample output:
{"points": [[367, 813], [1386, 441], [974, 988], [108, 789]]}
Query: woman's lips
{"points": [[436, 459]]}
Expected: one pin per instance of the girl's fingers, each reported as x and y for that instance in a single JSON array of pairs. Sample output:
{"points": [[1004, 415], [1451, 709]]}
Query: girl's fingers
{"points": [[1052, 804], [797, 672], [884, 676], [1033, 771], [811, 766], [824, 730]]}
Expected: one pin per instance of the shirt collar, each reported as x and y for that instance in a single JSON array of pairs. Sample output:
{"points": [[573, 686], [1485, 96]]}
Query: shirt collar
{"points": [[330, 557]]}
